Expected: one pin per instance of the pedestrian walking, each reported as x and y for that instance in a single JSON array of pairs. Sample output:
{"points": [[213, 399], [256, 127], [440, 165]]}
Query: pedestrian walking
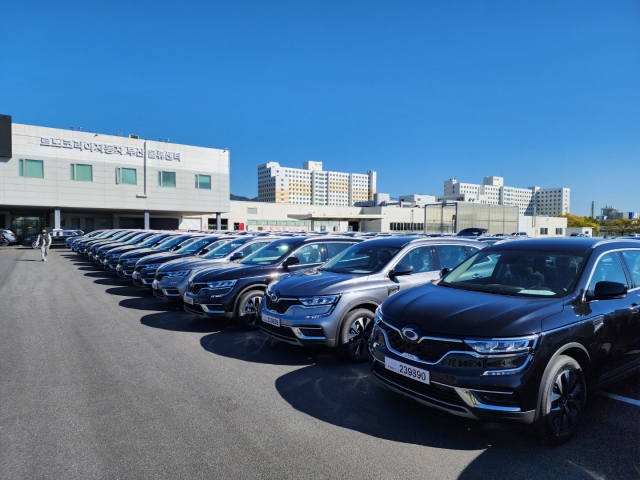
{"points": [[44, 242]]}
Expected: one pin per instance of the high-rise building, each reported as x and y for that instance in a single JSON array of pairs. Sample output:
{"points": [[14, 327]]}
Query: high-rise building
{"points": [[492, 191], [310, 185]]}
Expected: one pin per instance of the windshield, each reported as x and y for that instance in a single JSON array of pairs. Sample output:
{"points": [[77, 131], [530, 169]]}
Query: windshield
{"points": [[150, 241], [137, 238], [167, 243], [125, 236], [526, 273], [361, 259], [224, 249], [271, 253], [193, 245]]}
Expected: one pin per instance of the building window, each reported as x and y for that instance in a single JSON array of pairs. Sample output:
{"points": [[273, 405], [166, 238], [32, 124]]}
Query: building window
{"points": [[31, 168], [166, 179], [252, 210], [544, 231], [203, 181], [81, 173], [126, 175], [559, 231]]}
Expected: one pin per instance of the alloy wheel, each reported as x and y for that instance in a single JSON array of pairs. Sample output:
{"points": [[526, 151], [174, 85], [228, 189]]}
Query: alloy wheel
{"points": [[358, 335], [567, 399], [252, 309]]}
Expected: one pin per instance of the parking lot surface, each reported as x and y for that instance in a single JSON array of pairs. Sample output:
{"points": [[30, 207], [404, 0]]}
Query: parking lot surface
{"points": [[98, 379]]}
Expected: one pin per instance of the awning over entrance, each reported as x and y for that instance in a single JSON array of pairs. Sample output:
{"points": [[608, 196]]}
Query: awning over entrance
{"points": [[334, 218]]}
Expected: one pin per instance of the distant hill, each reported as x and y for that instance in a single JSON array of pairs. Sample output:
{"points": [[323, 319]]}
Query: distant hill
{"points": [[240, 198]]}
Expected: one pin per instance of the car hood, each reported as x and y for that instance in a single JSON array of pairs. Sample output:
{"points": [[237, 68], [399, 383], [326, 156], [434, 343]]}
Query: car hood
{"points": [[137, 252], [447, 311], [315, 282], [160, 257], [122, 249], [188, 262], [230, 271]]}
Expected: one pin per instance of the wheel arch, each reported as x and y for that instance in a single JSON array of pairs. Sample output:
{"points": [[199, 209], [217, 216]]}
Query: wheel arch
{"points": [[245, 289], [575, 350]]}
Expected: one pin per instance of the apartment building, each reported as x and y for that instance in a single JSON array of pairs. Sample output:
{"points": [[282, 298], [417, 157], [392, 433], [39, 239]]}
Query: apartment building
{"points": [[311, 185], [530, 201]]}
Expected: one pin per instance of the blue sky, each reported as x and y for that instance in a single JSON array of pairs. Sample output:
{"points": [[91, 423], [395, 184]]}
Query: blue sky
{"points": [[542, 93]]}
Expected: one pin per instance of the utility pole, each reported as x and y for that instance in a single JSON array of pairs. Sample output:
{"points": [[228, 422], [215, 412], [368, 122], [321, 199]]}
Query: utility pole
{"points": [[593, 209]]}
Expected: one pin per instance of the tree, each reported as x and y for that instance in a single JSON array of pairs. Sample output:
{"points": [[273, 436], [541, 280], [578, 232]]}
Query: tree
{"points": [[576, 221], [621, 226]]}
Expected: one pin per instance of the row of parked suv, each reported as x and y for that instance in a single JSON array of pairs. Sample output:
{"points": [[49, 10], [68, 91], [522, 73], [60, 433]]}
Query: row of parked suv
{"points": [[517, 330]]}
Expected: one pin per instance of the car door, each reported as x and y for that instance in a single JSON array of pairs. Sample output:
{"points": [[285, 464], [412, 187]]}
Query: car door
{"points": [[309, 256], [616, 313], [449, 256], [424, 269], [631, 259]]}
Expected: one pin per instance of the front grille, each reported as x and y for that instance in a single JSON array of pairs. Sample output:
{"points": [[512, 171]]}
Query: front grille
{"points": [[196, 287], [428, 350], [172, 291], [282, 305], [282, 332], [432, 391]]}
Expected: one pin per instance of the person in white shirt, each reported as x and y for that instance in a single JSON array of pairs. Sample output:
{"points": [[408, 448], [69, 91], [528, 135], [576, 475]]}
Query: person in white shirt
{"points": [[44, 242]]}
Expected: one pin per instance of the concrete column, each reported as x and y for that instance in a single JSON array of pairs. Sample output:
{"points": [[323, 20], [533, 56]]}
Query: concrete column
{"points": [[56, 218], [218, 221], [146, 219]]}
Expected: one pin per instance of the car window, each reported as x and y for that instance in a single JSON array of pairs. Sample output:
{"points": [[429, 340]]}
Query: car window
{"points": [[311, 253], [361, 258], [608, 269], [334, 249], [632, 259], [254, 247], [420, 259], [450, 256]]}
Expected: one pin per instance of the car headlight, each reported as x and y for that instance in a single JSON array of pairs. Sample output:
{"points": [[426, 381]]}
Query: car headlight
{"points": [[180, 273], [502, 345], [378, 316], [221, 284], [151, 266], [319, 301]]}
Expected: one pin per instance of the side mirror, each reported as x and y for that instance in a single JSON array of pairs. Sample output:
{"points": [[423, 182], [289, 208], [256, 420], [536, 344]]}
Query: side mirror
{"points": [[236, 256], [444, 271], [608, 291], [290, 261], [400, 270]]}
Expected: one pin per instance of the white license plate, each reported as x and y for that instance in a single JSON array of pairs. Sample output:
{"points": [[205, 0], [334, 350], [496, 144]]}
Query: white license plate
{"points": [[271, 320], [134, 275], [407, 370], [188, 300], [154, 285]]}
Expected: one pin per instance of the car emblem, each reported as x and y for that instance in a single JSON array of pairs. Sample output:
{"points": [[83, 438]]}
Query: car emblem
{"points": [[274, 297], [410, 357], [410, 334]]}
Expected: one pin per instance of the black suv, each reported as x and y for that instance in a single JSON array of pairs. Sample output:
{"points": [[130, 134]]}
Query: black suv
{"points": [[517, 332], [145, 269], [235, 290], [127, 261]]}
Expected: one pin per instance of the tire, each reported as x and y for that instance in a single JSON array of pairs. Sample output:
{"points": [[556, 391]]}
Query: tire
{"points": [[5, 242], [248, 312], [354, 335], [563, 401]]}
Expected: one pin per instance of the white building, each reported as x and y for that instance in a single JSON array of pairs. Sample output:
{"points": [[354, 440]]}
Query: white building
{"points": [[59, 178], [542, 226], [311, 185], [530, 201]]}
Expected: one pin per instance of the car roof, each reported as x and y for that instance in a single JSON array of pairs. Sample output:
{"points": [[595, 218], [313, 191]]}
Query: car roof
{"points": [[401, 241], [577, 245]]}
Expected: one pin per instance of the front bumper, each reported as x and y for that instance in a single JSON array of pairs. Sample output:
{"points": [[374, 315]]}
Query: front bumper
{"points": [[316, 326], [169, 289], [455, 388], [218, 306]]}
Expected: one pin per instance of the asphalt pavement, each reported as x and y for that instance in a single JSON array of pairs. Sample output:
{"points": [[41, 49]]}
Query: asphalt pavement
{"points": [[98, 379]]}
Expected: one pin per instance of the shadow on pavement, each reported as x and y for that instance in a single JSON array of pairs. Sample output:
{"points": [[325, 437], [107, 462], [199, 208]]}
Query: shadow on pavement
{"points": [[255, 346], [179, 321], [27, 260], [126, 291], [347, 396], [113, 281], [149, 303]]}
